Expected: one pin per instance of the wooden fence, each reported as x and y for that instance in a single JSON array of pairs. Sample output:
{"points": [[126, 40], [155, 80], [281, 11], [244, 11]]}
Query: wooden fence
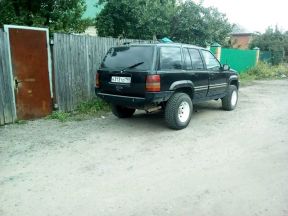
{"points": [[7, 102], [76, 59]]}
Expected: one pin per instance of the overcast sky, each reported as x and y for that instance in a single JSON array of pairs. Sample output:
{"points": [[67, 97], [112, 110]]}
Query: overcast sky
{"points": [[254, 15]]}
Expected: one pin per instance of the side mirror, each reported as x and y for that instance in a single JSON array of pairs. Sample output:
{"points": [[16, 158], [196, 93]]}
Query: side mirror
{"points": [[225, 67]]}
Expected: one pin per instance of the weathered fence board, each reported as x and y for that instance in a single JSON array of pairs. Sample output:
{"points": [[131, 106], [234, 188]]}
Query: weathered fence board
{"points": [[7, 102], [76, 59]]}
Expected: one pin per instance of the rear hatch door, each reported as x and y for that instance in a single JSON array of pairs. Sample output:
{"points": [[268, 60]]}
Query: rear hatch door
{"points": [[124, 70]]}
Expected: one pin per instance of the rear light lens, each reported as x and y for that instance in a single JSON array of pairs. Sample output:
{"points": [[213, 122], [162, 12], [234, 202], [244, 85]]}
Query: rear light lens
{"points": [[153, 83], [97, 80]]}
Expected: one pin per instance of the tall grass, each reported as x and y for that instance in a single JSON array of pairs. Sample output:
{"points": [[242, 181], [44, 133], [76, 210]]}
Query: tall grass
{"points": [[85, 110], [264, 71]]}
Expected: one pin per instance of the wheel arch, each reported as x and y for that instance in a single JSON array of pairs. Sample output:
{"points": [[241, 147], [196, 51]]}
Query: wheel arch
{"points": [[233, 80], [185, 86]]}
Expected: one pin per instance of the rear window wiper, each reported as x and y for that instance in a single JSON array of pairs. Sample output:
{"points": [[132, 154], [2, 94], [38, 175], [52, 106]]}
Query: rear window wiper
{"points": [[132, 66]]}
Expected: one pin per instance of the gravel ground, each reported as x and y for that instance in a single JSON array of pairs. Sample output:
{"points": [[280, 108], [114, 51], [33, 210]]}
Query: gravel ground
{"points": [[224, 164]]}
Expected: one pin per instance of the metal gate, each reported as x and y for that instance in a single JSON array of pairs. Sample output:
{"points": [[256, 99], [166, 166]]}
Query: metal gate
{"points": [[31, 70]]}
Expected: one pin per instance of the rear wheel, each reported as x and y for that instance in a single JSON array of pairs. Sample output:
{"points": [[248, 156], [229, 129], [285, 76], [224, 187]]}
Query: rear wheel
{"points": [[229, 102], [178, 111], [122, 112]]}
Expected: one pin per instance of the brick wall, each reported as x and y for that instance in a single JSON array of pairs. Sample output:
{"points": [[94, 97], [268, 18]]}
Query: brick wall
{"points": [[241, 41]]}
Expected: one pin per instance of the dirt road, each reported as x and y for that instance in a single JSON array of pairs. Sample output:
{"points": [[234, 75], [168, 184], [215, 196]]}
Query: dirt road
{"points": [[224, 164]]}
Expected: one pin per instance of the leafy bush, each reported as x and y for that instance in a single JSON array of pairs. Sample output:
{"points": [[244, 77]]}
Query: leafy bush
{"points": [[85, 110], [274, 41], [92, 107], [61, 116], [265, 71]]}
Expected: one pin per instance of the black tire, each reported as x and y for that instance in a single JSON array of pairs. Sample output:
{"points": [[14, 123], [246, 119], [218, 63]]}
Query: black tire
{"points": [[228, 103], [173, 105], [122, 112]]}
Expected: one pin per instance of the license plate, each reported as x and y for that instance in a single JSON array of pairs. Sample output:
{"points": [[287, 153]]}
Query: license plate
{"points": [[117, 79]]}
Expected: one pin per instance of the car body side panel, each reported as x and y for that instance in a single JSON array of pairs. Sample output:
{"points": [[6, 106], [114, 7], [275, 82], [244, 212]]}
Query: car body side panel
{"points": [[217, 82]]}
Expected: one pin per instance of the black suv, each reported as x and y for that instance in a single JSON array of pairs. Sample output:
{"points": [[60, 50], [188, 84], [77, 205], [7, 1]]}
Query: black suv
{"points": [[170, 76]]}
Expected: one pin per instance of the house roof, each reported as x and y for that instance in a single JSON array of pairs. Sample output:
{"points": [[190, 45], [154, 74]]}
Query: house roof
{"points": [[239, 30], [242, 34]]}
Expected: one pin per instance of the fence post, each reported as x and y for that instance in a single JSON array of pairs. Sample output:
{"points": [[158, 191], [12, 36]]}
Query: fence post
{"points": [[217, 50], [257, 49]]}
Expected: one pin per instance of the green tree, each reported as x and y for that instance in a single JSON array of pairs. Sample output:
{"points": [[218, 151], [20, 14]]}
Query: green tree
{"points": [[155, 18], [141, 19], [196, 24], [58, 15], [144, 19], [272, 40], [117, 18]]}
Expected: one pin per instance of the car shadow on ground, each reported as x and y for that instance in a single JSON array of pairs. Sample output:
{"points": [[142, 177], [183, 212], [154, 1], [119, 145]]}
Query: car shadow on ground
{"points": [[156, 120], [210, 105], [153, 120]]}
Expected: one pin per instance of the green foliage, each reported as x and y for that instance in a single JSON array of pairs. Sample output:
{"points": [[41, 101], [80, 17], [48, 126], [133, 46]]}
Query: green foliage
{"points": [[275, 41], [183, 22], [196, 24], [61, 116], [265, 71], [135, 19], [93, 107], [85, 110], [58, 15]]}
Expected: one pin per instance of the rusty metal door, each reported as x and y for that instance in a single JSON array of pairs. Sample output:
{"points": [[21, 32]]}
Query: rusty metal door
{"points": [[30, 65]]}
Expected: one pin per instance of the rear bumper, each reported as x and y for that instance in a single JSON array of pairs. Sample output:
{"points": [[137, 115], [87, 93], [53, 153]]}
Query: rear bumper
{"points": [[150, 98]]}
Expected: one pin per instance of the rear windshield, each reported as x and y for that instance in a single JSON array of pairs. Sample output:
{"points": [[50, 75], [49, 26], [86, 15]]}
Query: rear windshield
{"points": [[124, 57]]}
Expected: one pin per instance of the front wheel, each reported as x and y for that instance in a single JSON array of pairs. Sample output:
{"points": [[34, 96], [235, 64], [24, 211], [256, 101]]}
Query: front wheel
{"points": [[178, 111], [122, 112], [229, 102]]}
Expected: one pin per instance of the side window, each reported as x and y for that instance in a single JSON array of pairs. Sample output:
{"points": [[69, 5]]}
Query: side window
{"points": [[211, 62], [170, 58], [187, 59], [197, 62]]}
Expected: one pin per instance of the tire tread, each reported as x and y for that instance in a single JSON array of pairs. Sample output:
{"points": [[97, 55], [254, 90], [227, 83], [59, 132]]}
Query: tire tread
{"points": [[171, 111], [226, 101]]}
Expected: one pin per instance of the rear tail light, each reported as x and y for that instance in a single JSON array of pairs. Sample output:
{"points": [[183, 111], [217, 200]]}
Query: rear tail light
{"points": [[153, 83], [97, 80]]}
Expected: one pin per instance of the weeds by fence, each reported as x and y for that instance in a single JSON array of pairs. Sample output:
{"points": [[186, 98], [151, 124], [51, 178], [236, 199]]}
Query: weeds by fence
{"points": [[264, 71]]}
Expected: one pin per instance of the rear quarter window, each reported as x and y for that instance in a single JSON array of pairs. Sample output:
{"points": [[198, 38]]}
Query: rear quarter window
{"points": [[170, 58]]}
